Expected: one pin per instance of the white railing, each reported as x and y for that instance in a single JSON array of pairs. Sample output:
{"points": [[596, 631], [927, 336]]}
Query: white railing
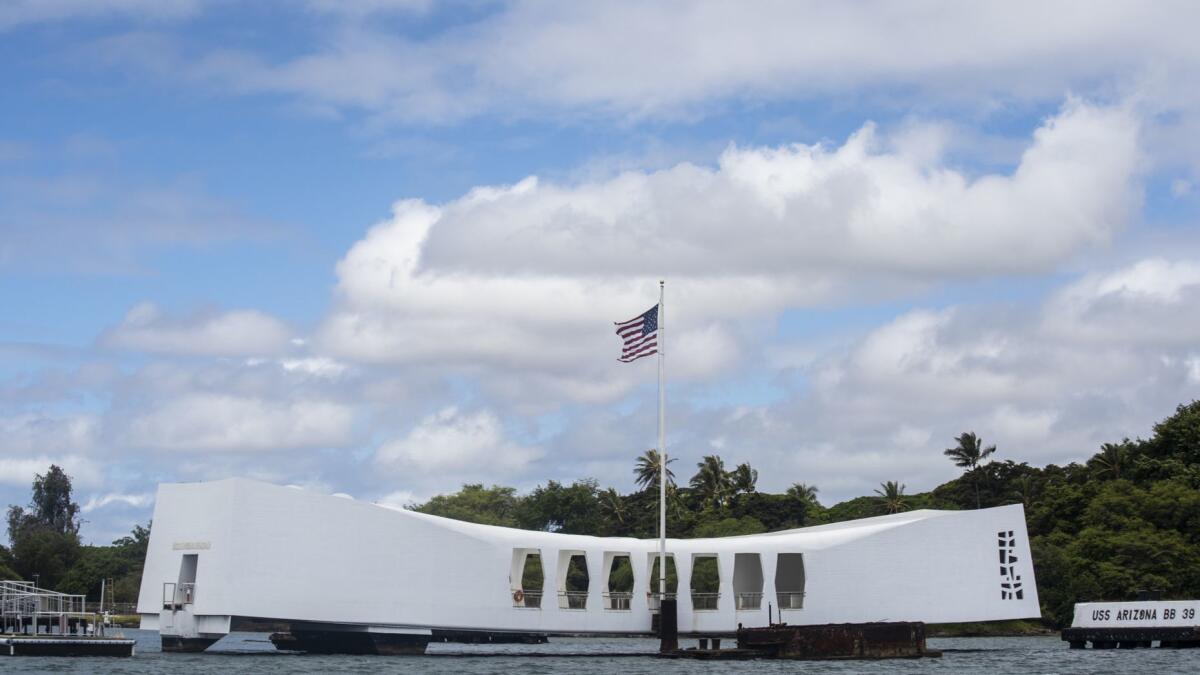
{"points": [[572, 599], [618, 600], [790, 599], [186, 594], [705, 602], [655, 600], [748, 600], [21, 601], [527, 599]]}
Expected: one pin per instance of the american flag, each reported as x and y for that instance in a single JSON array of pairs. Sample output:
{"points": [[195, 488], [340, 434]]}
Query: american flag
{"points": [[640, 335]]}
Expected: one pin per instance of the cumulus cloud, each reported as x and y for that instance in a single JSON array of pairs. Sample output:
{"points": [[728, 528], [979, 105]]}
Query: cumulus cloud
{"points": [[883, 408], [526, 276], [771, 211], [20, 471], [31, 433], [455, 442], [224, 422], [147, 328], [667, 59], [1143, 303]]}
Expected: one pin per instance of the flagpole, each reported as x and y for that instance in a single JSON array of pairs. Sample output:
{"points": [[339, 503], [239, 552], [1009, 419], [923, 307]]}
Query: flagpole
{"points": [[662, 450]]}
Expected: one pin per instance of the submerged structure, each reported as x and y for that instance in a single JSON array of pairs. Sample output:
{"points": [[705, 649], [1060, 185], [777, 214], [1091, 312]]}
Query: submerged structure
{"points": [[338, 575]]}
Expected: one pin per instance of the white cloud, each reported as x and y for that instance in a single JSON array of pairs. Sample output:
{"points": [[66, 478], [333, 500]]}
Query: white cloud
{"points": [[223, 422], [1145, 302], [886, 407], [29, 434], [667, 59], [316, 366], [147, 328], [20, 472], [398, 500], [526, 277], [133, 500], [456, 443]]}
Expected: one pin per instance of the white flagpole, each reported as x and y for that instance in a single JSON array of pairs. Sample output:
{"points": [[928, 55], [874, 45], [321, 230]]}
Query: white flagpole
{"points": [[662, 451]]}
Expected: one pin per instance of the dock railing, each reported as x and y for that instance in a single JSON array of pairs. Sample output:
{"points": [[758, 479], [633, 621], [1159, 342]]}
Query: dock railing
{"points": [[22, 603]]}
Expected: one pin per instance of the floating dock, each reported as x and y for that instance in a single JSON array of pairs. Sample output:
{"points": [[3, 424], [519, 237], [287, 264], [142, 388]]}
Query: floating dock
{"points": [[39, 622], [65, 645], [1131, 625]]}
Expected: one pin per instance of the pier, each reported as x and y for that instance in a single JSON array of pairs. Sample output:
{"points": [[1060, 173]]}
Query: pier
{"points": [[40, 622]]}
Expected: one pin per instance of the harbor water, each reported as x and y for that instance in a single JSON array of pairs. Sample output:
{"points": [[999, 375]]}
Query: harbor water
{"points": [[251, 653]]}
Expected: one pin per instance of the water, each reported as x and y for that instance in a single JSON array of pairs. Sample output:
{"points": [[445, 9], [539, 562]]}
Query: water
{"points": [[250, 653]]}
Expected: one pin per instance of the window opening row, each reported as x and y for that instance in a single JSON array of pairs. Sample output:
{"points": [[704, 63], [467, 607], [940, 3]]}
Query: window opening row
{"points": [[617, 592]]}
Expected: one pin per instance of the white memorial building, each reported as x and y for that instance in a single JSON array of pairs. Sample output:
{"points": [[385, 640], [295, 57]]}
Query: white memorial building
{"points": [[232, 554]]}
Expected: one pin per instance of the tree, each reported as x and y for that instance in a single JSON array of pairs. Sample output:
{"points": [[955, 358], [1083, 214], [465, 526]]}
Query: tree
{"points": [[648, 470], [968, 454], [1112, 460], [891, 497], [52, 504], [804, 493], [475, 504], [744, 479], [711, 483], [6, 565], [45, 539], [613, 505], [554, 507]]}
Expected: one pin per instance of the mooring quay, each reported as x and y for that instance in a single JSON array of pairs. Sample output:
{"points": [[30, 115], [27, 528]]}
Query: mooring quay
{"points": [[1130, 625], [40, 622], [338, 575]]}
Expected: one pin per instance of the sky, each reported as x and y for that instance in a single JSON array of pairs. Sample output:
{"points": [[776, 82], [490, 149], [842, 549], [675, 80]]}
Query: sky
{"points": [[377, 248]]}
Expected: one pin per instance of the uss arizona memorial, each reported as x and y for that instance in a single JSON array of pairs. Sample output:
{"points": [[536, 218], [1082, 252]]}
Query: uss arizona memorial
{"points": [[342, 574]]}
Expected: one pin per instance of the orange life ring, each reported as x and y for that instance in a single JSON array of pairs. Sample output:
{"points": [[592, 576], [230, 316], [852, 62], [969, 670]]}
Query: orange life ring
{"points": [[518, 595]]}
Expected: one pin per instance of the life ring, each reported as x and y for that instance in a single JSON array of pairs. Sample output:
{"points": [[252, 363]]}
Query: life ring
{"points": [[518, 595]]}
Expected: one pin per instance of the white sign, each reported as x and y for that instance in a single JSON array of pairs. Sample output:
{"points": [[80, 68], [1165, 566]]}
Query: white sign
{"points": [[1155, 614], [192, 546]]}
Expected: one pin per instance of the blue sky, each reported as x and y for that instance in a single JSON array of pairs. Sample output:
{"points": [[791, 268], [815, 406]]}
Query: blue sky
{"points": [[375, 247]]}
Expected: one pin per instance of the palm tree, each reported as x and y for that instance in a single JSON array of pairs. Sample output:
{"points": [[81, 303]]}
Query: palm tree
{"points": [[1112, 457], [744, 478], [804, 493], [969, 454], [648, 467], [1028, 489], [613, 505], [891, 498], [711, 483]]}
